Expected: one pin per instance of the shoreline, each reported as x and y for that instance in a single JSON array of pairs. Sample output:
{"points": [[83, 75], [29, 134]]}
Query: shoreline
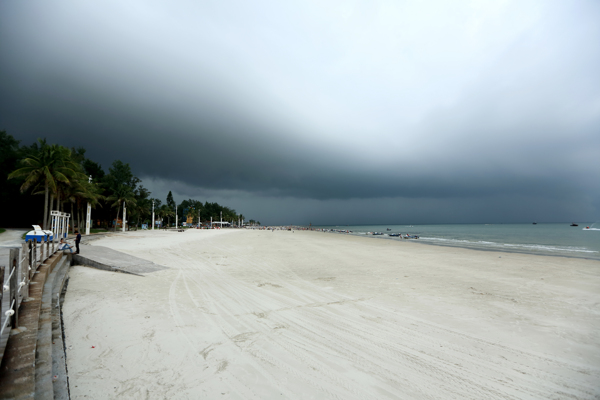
{"points": [[499, 250], [497, 246]]}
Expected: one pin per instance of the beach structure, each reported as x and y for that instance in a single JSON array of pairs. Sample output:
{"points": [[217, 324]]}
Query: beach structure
{"points": [[60, 224], [221, 223]]}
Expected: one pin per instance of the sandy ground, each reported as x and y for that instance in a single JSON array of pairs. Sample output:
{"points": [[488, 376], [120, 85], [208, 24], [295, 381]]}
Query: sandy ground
{"points": [[309, 315]]}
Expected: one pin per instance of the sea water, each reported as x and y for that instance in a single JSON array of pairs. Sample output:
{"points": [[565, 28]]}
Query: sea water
{"points": [[559, 239]]}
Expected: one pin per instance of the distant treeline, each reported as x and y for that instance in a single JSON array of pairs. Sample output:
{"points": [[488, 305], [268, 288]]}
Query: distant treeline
{"points": [[59, 179]]}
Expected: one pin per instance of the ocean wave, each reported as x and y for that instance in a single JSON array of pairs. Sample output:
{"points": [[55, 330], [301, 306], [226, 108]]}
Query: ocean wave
{"points": [[531, 247]]}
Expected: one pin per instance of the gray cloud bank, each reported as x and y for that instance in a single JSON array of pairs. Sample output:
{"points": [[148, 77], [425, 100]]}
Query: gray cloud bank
{"points": [[344, 113]]}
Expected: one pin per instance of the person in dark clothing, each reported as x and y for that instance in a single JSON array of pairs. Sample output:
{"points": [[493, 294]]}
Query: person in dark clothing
{"points": [[77, 240]]}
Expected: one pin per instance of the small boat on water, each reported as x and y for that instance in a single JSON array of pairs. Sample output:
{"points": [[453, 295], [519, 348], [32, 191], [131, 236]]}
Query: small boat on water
{"points": [[394, 235], [388, 229], [377, 233], [535, 223], [574, 224]]}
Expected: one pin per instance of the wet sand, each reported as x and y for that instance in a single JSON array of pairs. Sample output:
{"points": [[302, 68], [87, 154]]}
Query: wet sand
{"points": [[259, 314]]}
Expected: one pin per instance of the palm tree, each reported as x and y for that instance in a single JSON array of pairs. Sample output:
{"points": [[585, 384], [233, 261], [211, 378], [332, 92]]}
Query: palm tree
{"points": [[191, 212], [143, 207], [48, 165], [82, 192], [122, 195], [166, 211]]}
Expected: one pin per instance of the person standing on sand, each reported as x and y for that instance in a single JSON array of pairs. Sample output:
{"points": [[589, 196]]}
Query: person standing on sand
{"points": [[77, 240]]}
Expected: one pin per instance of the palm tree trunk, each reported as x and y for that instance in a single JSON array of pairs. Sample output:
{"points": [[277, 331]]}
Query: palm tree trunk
{"points": [[45, 225], [52, 207], [73, 219], [50, 210], [117, 220]]}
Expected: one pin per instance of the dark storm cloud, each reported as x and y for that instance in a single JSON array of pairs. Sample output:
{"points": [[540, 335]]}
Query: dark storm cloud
{"points": [[330, 104]]}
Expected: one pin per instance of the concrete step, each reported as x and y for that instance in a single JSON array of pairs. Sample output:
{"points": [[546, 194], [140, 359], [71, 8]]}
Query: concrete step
{"points": [[19, 364]]}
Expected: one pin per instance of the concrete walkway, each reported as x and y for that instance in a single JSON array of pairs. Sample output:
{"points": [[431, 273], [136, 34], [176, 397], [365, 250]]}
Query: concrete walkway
{"points": [[112, 260], [8, 239]]}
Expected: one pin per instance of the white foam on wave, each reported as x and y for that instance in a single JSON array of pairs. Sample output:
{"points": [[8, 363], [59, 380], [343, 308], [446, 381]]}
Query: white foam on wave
{"points": [[537, 247]]}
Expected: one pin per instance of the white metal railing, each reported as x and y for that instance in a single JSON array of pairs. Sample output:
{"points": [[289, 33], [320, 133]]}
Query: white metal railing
{"points": [[22, 265]]}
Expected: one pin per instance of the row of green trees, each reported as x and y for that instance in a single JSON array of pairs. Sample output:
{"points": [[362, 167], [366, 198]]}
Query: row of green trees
{"points": [[194, 211], [68, 181]]}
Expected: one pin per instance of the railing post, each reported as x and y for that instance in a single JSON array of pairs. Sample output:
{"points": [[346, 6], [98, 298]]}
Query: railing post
{"points": [[27, 250], [25, 268], [42, 253], [30, 259], [13, 294], [14, 284], [1, 295], [48, 248], [33, 256]]}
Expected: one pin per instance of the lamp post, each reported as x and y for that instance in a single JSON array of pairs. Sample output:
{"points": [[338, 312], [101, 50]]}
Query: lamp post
{"points": [[152, 214], [88, 217], [124, 215], [175, 215], [221, 213]]}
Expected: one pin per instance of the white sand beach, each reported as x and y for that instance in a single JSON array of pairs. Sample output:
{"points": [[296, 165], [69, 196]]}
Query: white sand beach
{"points": [[307, 315]]}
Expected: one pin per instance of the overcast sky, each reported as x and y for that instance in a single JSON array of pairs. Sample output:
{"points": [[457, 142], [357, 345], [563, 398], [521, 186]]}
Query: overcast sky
{"points": [[337, 112]]}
